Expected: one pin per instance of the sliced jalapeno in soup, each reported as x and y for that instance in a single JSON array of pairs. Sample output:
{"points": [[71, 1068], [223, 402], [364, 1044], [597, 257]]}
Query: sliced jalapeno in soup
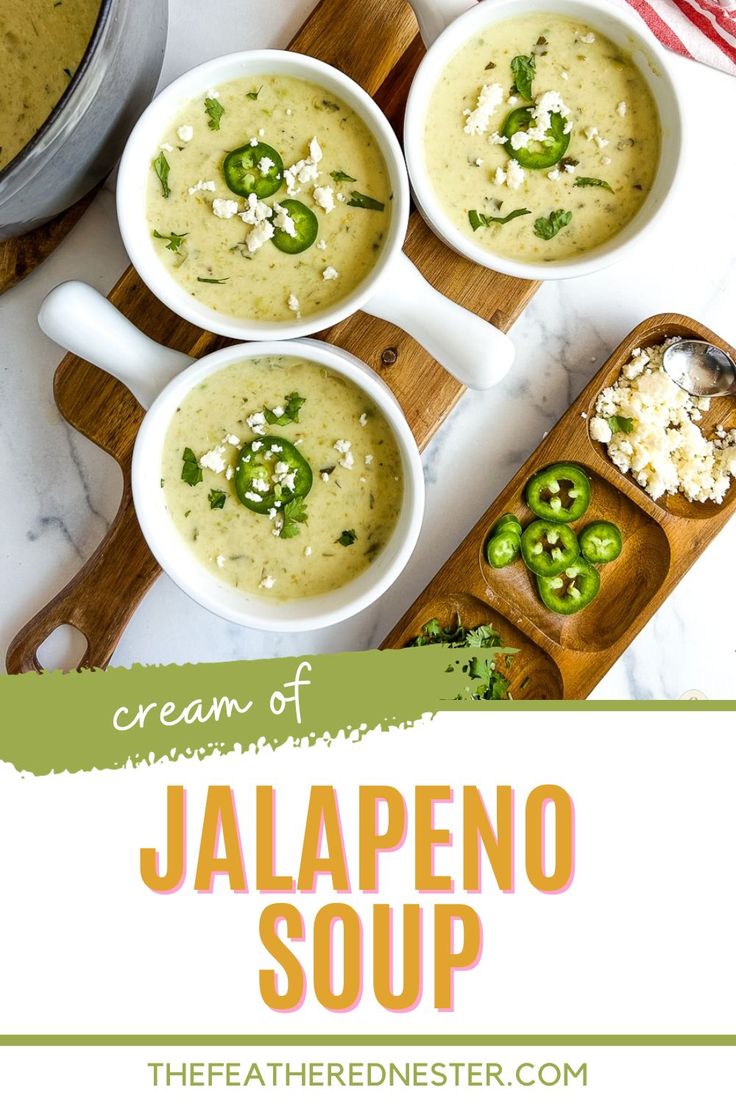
{"points": [[537, 155], [548, 548], [306, 228], [271, 471], [503, 548], [600, 542], [254, 170], [559, 493], [572, 590]]}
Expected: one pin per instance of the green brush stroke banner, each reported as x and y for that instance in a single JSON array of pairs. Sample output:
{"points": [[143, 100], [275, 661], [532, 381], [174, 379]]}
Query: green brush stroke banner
{"points": [[80, 721]]}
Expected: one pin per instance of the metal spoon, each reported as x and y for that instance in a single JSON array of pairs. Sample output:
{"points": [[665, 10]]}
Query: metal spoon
{"points": [[700, 368]]}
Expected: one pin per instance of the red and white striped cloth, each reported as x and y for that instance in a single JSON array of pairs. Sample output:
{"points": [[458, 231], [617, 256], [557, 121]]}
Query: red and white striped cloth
{"points": [[700, 29]]}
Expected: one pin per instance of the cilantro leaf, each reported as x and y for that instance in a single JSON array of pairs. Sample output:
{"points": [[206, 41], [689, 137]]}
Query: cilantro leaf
{"points": [[357, 199], [216, 498], [338, 176], [173, 240], [488, 683], [592, 182], [161, 167], [523, 68], [347, 537], [295, 513], [212, 280], [546, 228], [478, 219], [292, 405], [215, 110], [620, 425], [191, 472]]}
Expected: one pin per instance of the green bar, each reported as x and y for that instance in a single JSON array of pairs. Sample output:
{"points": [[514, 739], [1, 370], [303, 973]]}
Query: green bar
{"points": [[370, 1040]]}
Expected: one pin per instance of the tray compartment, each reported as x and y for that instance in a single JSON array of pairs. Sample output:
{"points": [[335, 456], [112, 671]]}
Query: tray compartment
{"points": [[531, 668], [722, 411], [627, 585]]}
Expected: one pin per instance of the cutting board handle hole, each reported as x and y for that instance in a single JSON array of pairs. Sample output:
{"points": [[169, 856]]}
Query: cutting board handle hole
{"points": [[63, 649]]}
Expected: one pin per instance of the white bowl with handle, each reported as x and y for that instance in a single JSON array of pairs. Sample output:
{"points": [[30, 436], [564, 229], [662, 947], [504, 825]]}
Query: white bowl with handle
{"points": [[447, 25], [473, 350], [81, 320]]}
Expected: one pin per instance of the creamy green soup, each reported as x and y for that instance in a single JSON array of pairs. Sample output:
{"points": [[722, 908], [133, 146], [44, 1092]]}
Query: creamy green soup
{"points": [[271, 197], [41, 45], [542, 138], [235, 459]]}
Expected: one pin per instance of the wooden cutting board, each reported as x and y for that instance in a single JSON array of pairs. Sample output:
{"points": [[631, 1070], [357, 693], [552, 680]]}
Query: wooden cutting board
{"points": [[565, 657], [376, 43]]}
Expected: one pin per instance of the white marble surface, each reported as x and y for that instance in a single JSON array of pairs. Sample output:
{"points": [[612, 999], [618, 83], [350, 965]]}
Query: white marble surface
{"points": [[60, 492]]}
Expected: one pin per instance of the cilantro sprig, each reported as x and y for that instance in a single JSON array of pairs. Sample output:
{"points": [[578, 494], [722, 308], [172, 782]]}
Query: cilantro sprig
{"points": [[547, 228], [173, 240], [478, 219], [162, 168], [487, 682], [191, 472], [214, 109], [523, 68], [292, 405]]}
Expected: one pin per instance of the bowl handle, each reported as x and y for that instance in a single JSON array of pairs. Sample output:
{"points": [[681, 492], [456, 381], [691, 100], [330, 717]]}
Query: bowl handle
{"points": [[434, 15], [472, 350], [81, 320]]}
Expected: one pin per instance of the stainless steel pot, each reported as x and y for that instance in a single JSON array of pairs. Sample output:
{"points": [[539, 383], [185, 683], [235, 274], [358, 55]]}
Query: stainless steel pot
{"points": [[85, 133]]}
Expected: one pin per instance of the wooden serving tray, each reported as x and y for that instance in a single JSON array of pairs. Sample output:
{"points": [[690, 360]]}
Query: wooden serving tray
{"points": [[376, 43], [565, 657]]}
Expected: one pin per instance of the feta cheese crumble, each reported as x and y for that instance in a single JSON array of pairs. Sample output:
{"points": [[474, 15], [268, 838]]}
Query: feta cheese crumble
{"points": [[666, 452], [621, 108], [284, 221], [330, 273], [202, 186], [325, 198], [225, 208], [293, 304], [185, 133], [267, 582], [304, 171], [220, 561], [213, 460], [489, 100]]}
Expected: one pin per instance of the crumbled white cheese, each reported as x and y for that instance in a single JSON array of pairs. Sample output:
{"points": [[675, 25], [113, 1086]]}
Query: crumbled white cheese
{"points": [[202, 186], [324, 476], [213, 460], [284, 221], [293, 304], [478, 162], [253, 141], [600, 430], [257, 423], [363, 419], [500, 176], [278, 525], [325, 197], [225, 208], [256, 445], [278, 411], [515, 175], [622, 108], [253, 497], [347, 461], [259, 235], [569, 168], [166, 147], [261, 132], [330, 273], [342, 446], [489, 100], [368, 459], [231, 439], [497, 139], [265, 165], [230, 472], [322, 244], [267, 582], [308, 550], [588, 38], [304, 171], [565, 75], [220, 561], [262, 485], [554, 174], [666, 451], [256, 211], [185, 132], [592, 134], [212, 94]]}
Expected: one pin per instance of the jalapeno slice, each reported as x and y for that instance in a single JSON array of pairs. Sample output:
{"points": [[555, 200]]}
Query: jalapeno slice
{"points": [[305, 225], [537, 155], [548, 548], [243, 170], [507, 521], [262, 483], [559, 493], [503, 548], [601, 542], [572, 590]]}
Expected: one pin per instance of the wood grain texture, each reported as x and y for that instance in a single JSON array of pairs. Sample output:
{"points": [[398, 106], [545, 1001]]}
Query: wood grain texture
{"points": [[567, 656], [381, 50]]}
